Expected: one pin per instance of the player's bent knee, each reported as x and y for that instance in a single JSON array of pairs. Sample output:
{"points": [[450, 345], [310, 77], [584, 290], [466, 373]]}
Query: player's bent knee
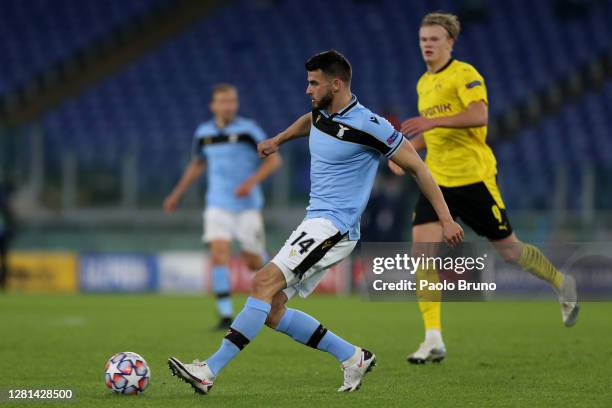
{"points": [[253, 262], [267, 282], [431, 232], [219, 255], [511, 256], [259, 286], [510, 253]]}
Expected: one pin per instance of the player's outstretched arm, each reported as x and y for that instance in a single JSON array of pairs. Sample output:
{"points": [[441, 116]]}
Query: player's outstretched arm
{"points": [[408, 159], [418, 142], [475, 115], [299, 128], [192, 172], [268, 166]]}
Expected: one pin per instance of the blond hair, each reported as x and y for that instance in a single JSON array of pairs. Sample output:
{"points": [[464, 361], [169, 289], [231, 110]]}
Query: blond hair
{"points": [[223, 87], [449, 22]]}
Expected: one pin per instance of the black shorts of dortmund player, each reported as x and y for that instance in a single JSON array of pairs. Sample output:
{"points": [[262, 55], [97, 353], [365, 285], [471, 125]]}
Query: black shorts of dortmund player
{"points": [[474, 205]]}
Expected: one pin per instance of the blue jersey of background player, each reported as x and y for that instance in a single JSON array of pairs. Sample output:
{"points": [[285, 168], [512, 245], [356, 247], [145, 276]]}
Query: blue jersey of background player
{"points": [[346, 142], [232, 158], [227, 144]]}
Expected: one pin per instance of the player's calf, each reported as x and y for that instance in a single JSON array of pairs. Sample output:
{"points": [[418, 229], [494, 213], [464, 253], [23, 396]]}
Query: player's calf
{"points": [[277, 311], [244, 329], [305, 329]]}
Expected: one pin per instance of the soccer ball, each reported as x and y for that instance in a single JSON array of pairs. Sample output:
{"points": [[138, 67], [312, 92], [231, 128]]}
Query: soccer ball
{"points": [[127, 373]]}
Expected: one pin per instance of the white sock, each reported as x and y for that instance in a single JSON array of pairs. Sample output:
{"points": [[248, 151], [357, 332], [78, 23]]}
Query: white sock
{"points": [[354, 359], [434, 336]]}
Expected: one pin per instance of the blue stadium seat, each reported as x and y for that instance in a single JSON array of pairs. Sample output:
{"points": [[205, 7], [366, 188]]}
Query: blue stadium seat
{"points": [[155, 104], [38, 33], [578, 135]]}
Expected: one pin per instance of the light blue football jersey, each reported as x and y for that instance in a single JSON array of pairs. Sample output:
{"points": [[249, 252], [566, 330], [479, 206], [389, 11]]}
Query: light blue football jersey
{"points": [[345, 150], [231, 156]]}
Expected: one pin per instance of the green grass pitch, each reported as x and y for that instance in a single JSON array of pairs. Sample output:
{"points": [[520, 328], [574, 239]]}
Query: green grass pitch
{"points": [[500, 354]]}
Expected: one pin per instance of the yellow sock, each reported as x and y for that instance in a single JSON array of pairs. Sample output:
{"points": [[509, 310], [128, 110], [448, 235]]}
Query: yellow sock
{"points": [[429, 300], [533, 261]]}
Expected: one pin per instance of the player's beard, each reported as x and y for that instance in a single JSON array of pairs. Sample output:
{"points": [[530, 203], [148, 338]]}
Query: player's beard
{"points": [[325, 101]]}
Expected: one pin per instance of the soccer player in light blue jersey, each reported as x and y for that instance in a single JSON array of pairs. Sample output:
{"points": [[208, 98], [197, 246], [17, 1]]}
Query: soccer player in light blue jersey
{"points": [[346, 143], [228, 145]]}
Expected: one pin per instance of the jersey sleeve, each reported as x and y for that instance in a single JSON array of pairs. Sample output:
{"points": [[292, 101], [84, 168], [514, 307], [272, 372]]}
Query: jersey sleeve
{"points": [[387, 139], [257, 132], [471, 86], [196, 146]]}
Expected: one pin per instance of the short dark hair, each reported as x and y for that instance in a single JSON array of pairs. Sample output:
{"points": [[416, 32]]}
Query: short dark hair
{"points": [[331, 63]]}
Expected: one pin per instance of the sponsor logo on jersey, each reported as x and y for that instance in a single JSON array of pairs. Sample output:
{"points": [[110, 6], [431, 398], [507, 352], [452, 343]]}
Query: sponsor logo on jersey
{"points": [[437, 109], [392, 138]]}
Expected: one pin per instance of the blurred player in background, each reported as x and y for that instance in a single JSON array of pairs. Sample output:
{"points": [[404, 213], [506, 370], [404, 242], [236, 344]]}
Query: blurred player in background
{"points": [[453, 127], [227, 144], [346, 142]]}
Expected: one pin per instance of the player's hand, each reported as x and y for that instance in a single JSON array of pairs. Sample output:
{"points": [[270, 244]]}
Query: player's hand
{"points": [[171, 202], [244, 189], [267, 147], [417, 125], [395, 169], [453, 233]]}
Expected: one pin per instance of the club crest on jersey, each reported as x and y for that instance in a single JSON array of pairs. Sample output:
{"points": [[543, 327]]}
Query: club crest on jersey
{"points": [[341, 131]]}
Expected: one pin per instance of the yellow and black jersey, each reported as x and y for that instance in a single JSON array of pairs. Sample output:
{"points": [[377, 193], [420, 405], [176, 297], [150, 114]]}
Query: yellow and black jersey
{"points": [[456, 157]]}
